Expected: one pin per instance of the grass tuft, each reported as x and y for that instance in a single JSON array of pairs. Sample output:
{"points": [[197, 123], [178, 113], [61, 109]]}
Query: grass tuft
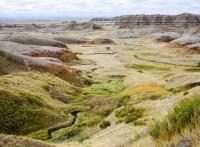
{"points": [[123, 101], [139, 67], [109, 88], [129, 114], [185, 115]]}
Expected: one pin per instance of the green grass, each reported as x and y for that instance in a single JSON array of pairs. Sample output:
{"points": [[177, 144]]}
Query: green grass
{"points": [[129, 114], [175, 90], [140, 67], [77, 131], [22, 115], [123, 101], [185, 115], [139, 123], [33, 101], [109, 88]]}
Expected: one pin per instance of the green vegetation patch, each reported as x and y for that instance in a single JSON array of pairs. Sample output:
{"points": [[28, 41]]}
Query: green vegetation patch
{"points": [[77, 132], [186, 114], [195, 69], [129, 114], [104, 124], [33, 101], [148, 96], [22, 114], [123, 101], [140, 67], [108, 88]]}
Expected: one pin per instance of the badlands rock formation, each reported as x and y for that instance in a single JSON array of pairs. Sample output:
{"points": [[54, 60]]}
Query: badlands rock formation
{"points": [[32, 40], [195, 46], [42, 58], [83, 26], [183, 20], [166, 37], [186, 40]]}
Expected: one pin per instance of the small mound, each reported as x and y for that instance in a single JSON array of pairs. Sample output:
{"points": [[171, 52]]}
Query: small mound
{"points": [[83, 26], [32, 58], [101, 41], [167, 37], [186, 40], [36, 51], [33, 40], [195, 46]]}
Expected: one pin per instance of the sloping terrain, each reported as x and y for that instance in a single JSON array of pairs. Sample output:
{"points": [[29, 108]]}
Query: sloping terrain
{"points": [[121, 88]]}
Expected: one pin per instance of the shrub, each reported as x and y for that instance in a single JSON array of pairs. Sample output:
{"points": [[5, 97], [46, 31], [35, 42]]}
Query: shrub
{"points": [[185, 114], [129, 113], [139, 123], [104, 124], [123, 101]]}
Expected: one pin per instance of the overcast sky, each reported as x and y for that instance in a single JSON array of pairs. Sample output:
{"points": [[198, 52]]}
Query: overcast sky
{"points": [[91, 8]]}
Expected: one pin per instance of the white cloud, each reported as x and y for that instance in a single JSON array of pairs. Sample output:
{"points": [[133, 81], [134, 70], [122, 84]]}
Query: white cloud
{"points": [[75, 8]]}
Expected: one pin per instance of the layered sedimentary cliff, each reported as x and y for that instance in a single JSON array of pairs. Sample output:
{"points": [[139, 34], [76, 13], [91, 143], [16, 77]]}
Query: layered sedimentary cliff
{"points": [[183, 20], [129, 21]]}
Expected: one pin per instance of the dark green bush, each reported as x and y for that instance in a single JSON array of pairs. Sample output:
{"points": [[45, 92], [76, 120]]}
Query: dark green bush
{"points": [[123, 101], [104, 124]]}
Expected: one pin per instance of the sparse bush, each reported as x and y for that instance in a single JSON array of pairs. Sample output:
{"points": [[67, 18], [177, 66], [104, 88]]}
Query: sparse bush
{"points": [[186, 93], [139, 123], [174, 90], [129, 113], [185, 115], [104, 124], [123, 101], [108, 48]]}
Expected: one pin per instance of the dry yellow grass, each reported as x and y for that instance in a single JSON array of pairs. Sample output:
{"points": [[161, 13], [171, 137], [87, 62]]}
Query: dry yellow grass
{"points": [[146, 88]]}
